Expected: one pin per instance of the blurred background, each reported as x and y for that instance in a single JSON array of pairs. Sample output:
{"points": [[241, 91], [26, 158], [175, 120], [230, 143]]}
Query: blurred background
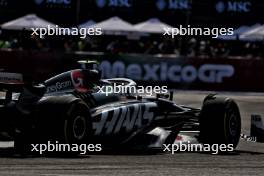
{"points": [[133, 44]]}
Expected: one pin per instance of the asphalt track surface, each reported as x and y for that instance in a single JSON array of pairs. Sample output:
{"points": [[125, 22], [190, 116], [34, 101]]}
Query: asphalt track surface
{"points": [[248, 159]]}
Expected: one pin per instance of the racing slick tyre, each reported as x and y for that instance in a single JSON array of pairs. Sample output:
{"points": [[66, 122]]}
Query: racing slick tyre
{"points": [[69, 124], [220, 121], [77, 125], [59, 121]]}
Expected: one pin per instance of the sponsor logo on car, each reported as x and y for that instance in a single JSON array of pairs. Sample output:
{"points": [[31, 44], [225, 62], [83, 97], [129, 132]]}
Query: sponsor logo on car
{"points": [[59, 86], [125, 117], [78, 81]]}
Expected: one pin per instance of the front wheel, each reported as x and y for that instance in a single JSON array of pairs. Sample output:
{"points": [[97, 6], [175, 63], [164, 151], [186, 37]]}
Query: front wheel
{"points": [[220, 121]]}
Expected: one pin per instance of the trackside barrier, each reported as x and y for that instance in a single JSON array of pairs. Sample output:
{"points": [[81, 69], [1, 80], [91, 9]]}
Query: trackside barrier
{"points": [[229, 74]]}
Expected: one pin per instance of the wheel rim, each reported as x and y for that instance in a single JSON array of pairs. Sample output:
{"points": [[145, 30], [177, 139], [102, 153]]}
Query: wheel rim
{"points": [[79, 127], [233, 125]]}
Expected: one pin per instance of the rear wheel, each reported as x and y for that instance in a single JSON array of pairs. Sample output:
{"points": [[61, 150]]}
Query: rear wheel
{"points": [[220, 121], [58, 122], [77, 125]]}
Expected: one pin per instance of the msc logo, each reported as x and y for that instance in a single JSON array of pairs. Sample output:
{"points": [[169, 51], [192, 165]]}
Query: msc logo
{"points": [[39, 1], [233, 6], [101, 3], [65, 2], [113, 3], [173, 4]]}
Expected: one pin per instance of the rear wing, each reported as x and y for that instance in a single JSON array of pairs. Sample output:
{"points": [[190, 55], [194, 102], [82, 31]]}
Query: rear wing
{"points": [[9, 83], [10, 80]]}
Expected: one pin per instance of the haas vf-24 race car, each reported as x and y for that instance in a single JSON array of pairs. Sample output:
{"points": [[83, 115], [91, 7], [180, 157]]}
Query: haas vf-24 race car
{"points": [[68, 108]]}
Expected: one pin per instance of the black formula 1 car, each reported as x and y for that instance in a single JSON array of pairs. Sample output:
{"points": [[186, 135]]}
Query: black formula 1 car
{"points": [[68, 108]]}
